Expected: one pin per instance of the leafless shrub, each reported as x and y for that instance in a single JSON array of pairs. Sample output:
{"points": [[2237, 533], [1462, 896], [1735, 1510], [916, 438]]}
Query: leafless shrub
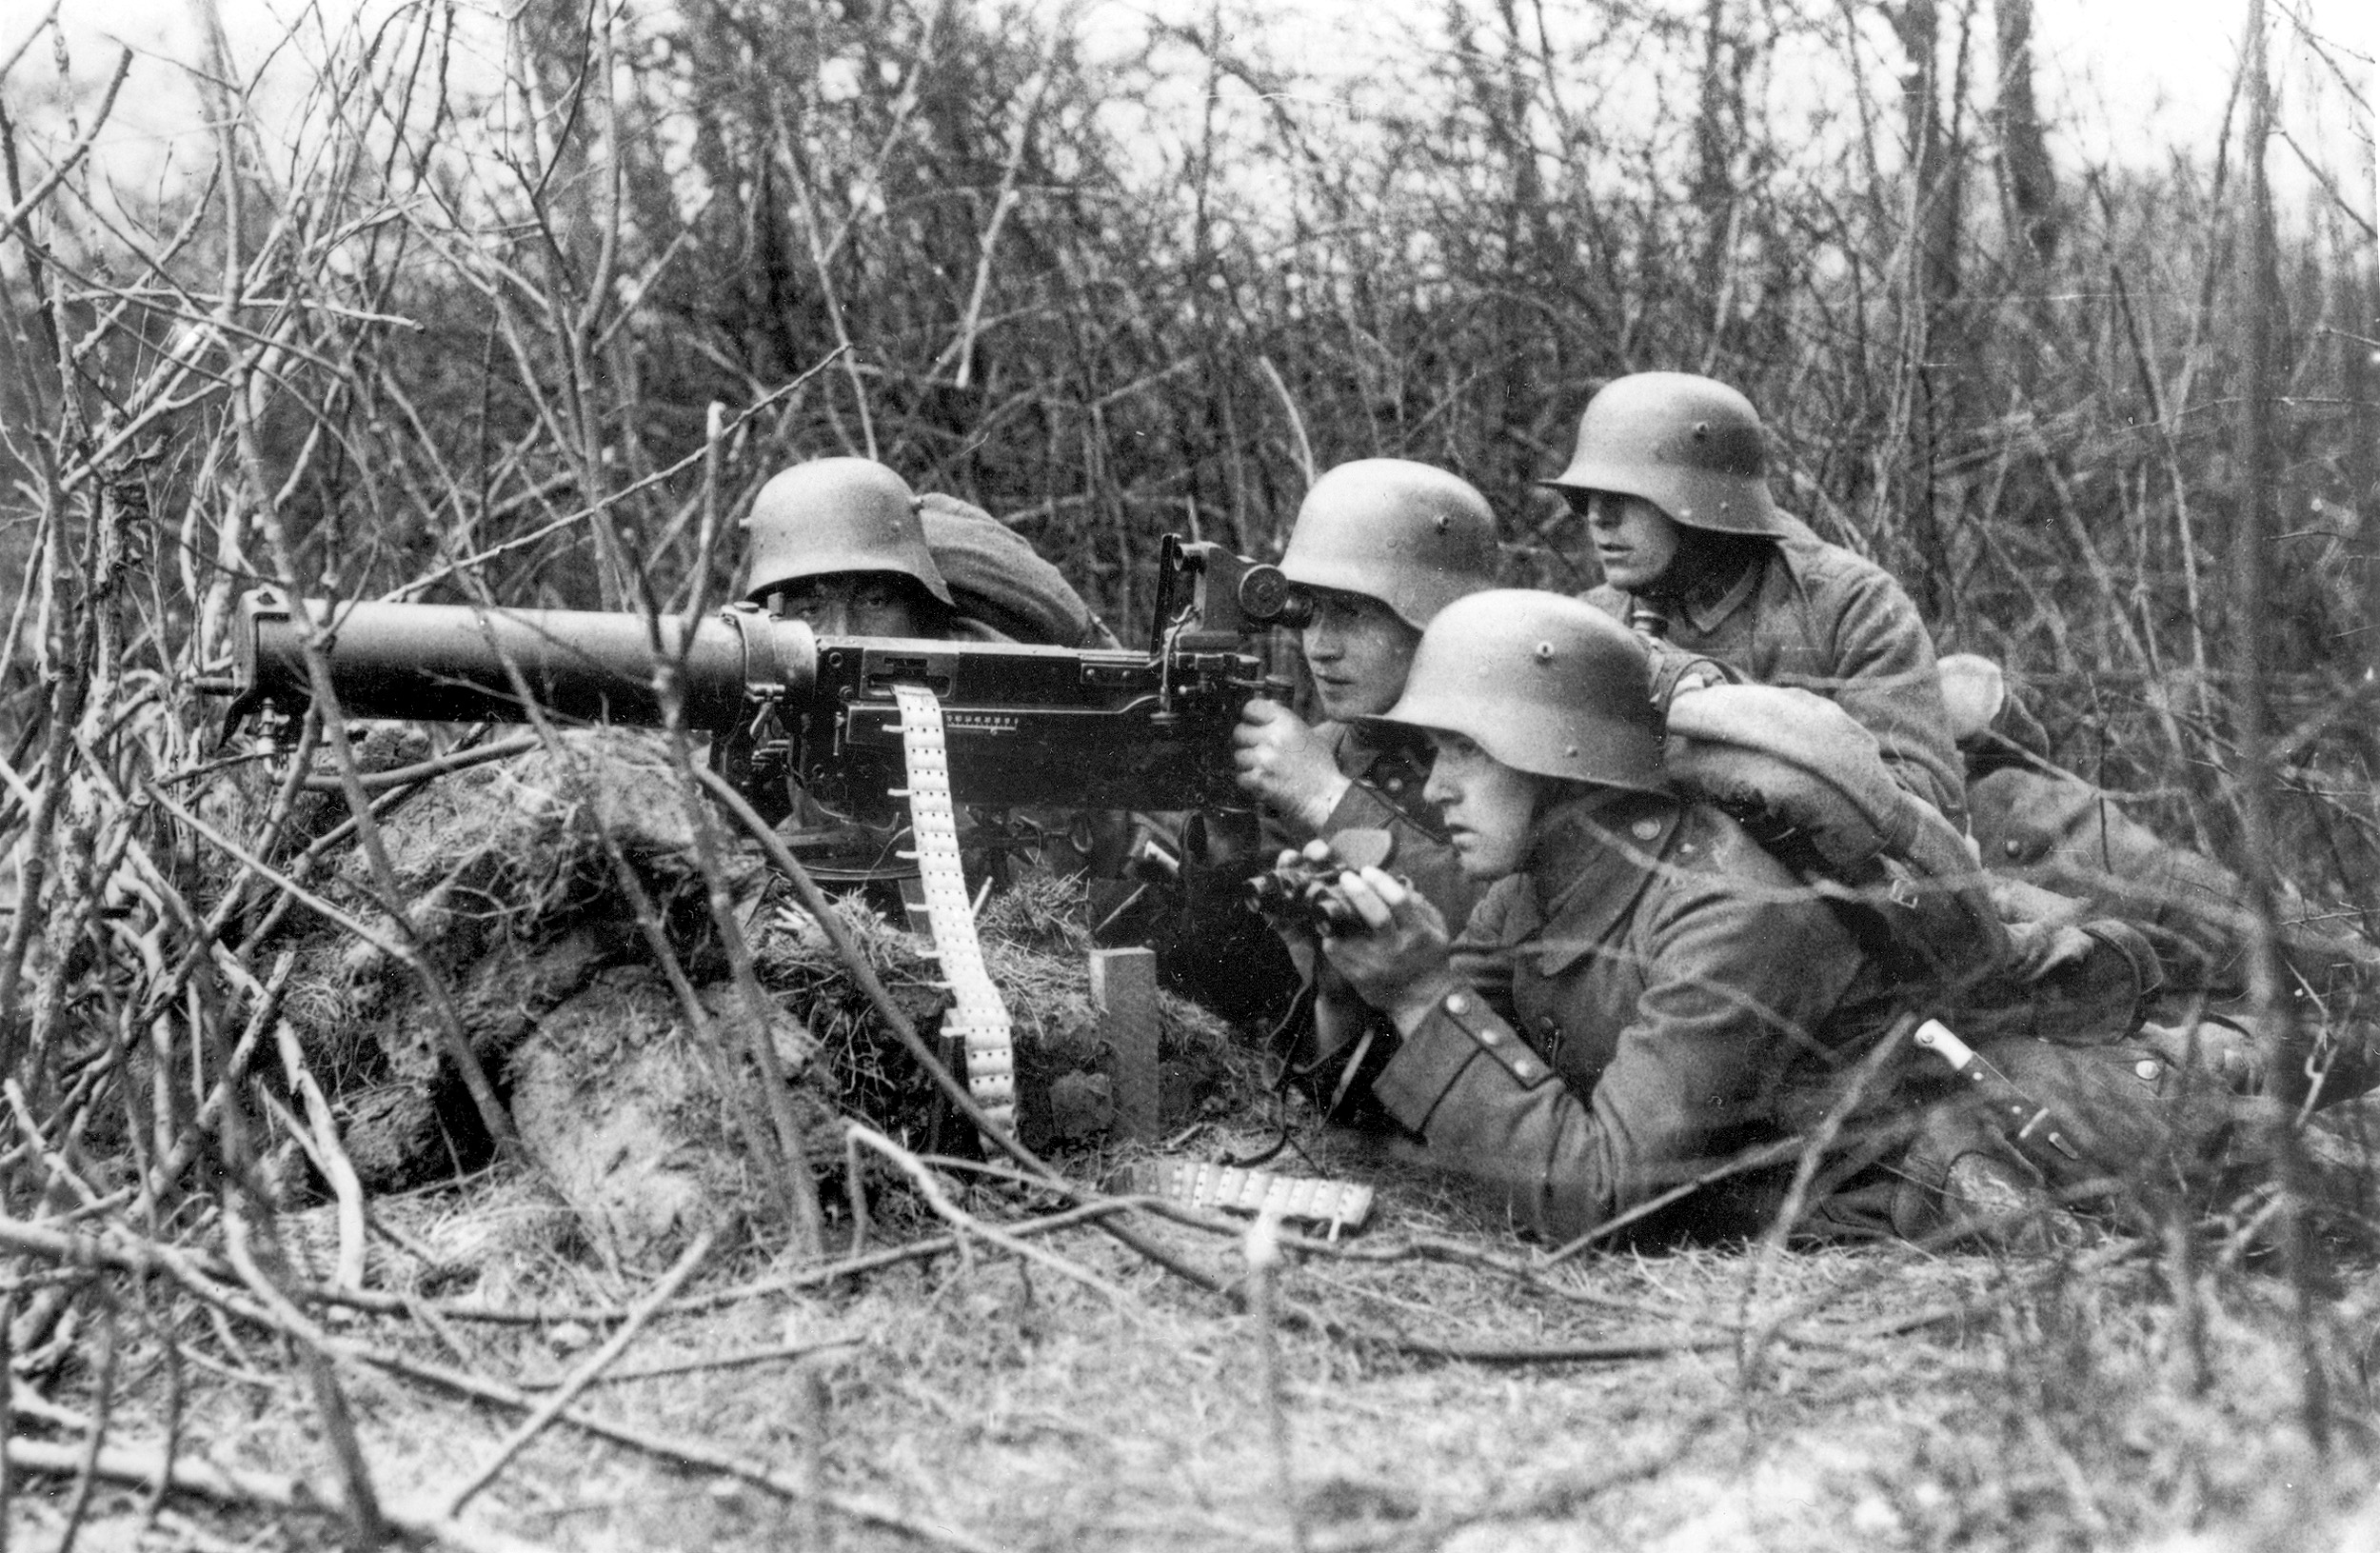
{"points": [[524, 307]]}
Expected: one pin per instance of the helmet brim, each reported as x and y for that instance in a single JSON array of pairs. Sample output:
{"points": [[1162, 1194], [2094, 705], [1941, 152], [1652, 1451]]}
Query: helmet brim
{"points": [[1346, 577], [1597, 477], [932, 583]]}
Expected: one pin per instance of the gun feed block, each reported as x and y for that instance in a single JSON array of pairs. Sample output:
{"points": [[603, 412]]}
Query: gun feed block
{"points": [[1124, 990], [977, 1014]]}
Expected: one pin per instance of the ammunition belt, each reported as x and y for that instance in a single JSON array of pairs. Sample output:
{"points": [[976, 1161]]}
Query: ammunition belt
{"points": [[977, 1014], [1336, 1204]]}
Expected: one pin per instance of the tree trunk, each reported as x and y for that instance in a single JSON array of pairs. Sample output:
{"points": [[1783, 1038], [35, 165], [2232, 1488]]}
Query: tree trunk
{"points": [[2253, 531], [1934, 160], [2027, 179]]}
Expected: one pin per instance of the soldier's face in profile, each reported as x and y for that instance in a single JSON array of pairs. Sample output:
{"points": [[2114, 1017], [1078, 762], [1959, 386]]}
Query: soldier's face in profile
{"points": [[1359, 651], [854, 604], [1635, 540], [1487, 806]]}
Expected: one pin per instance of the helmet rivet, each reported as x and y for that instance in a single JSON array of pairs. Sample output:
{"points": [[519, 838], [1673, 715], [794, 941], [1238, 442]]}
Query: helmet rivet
{"points": [[1545, 652], [1572, 750], [1443, 523], [1702, 429]]}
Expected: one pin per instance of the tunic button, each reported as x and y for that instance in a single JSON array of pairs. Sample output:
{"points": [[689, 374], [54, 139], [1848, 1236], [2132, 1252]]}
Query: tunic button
{"points": [[1454, 1003], [1396, 784], [2146, 1067], [1524, 1070], [1645, 829], [1488, 1038]]}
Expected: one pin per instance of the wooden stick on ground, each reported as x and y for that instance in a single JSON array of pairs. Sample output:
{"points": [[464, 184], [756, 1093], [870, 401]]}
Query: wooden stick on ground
{"points": [[139, 1466], [551, 1407], [272, 1310]]}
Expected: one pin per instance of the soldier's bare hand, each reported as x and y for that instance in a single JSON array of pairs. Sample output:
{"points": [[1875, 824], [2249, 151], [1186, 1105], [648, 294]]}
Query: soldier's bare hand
{"points": [[1400, 964], [1286, 763]]}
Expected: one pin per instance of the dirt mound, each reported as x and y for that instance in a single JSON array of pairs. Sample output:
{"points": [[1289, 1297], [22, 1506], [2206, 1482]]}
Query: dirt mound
{"points": [[518, 882]]}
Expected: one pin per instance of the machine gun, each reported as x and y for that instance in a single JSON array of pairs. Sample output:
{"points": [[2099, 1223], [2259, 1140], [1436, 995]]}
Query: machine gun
{"points": [[786, 708]]}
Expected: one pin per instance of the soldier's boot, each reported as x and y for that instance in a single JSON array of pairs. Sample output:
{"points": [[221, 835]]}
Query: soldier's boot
{"points": [[2327, 1062], [1987, 1199]]}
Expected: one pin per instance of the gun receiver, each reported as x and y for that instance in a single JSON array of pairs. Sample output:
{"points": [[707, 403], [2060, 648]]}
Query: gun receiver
{"points": [[1054, 726]]}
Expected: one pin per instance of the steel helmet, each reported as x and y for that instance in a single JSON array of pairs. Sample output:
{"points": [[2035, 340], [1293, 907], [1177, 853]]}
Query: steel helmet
{"points": [[1691, 445], [1545, 684], [836, 515], [1414, 537]]}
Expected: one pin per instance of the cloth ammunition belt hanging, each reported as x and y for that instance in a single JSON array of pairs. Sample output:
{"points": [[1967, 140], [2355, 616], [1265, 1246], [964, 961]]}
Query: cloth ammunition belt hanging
{"points": [[977, 1013]]}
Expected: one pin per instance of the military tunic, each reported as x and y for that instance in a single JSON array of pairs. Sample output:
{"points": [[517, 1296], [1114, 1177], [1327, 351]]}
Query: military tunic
{"points": [[1651, 995], [1385, 779], [1814, 615], [1210, 952]]}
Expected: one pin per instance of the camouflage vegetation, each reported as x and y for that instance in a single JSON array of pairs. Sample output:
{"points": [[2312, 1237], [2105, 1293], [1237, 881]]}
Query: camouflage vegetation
{"points": [[525, 305]]}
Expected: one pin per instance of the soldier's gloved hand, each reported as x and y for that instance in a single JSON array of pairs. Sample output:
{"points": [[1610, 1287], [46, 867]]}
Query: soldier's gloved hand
{"points": [[1399, 966], [1286, 763]]}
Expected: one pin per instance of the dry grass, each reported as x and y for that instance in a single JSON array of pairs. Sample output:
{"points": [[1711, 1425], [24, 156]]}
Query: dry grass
{"points": [[431, 338], [2031, 1403]]}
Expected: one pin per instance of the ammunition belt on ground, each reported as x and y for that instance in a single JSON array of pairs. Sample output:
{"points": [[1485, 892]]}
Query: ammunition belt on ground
{"points": [[1336, 1204]]}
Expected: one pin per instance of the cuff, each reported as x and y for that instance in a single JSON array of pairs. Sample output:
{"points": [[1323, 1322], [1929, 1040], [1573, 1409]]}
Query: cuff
{"points": [[1361, 809], [1461, 1029]]}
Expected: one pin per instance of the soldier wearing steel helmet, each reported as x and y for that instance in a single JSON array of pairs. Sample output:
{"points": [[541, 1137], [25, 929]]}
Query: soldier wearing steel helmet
{"points": [[1643, 994], [845, 544], [1670, 475], [837, 543], [1380, 546]]}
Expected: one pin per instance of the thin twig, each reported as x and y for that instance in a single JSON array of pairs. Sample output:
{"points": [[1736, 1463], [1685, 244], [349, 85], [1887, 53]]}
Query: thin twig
{"points": [[136, 1466], [923, 1178], [67, 164], [535, 1425]]}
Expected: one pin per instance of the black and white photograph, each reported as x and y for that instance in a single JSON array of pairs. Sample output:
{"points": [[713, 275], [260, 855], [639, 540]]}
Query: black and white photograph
{"points": [[1190, 776]]}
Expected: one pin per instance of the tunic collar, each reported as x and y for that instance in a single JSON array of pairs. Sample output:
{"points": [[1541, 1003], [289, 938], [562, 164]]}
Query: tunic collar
{"points": [[1589, 859], [1359, 747], [1705, 609]]}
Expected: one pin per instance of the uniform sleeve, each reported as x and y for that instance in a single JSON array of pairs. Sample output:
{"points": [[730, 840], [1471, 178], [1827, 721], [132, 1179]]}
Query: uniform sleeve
{"points": [[1422, 855], [1736, 991], [1479, 956], [1889, 685]]}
